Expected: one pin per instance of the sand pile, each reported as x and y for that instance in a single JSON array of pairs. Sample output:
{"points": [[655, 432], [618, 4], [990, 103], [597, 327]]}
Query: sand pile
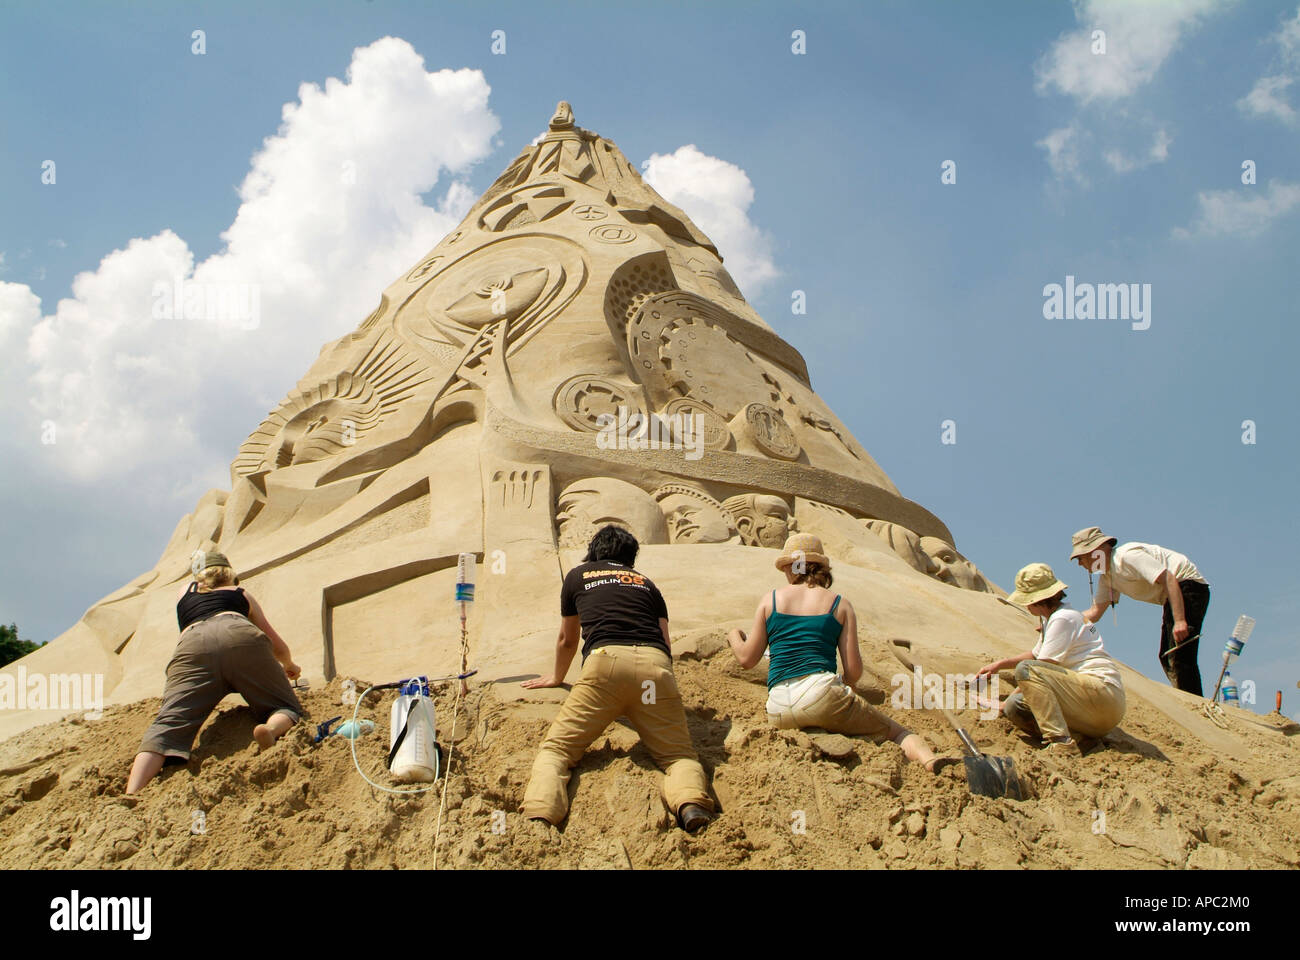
{"points": [[1149, 796]]}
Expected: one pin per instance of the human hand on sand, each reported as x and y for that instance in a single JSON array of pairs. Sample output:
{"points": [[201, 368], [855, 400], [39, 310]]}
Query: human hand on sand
{"points": [[990, 668], [550, 681]]}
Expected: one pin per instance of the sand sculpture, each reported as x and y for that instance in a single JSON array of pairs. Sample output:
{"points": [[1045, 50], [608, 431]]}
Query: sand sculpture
{"points": [[587, 505], [497, 401], [693, 516], [932, 556], [761, 520]]}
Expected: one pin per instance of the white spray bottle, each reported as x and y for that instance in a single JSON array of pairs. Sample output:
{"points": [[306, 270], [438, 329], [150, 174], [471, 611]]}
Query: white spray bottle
{"points": [[413, 747]]}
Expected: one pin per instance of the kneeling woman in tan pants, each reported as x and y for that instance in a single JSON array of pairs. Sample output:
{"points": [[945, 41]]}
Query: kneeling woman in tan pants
{"points": [[1067, 682], [805, 625]]}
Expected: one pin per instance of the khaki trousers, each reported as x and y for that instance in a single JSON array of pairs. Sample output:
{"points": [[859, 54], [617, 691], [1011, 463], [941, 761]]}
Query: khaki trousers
{"points": [[1054, 700], [222, 654], [636, 682]]}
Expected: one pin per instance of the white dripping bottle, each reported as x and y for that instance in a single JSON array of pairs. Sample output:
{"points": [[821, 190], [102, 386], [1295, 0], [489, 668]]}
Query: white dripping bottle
{"points": [[412, 747]]}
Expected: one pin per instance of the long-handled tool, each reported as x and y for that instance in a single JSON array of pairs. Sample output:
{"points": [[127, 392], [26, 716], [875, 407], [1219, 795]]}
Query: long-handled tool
{"points": [[1178, 646], [985, 775]]}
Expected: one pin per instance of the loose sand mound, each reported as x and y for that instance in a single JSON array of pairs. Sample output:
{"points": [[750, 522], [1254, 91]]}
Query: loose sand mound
{"points": [[1164, 800]]}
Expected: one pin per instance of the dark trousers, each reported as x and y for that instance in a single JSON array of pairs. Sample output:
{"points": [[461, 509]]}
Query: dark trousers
{"points": [[1180, 665]]}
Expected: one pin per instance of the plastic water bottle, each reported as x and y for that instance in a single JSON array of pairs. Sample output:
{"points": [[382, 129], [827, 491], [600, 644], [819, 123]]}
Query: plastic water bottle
{"points": [[416, 758], [1229, 689], [465, 563]]}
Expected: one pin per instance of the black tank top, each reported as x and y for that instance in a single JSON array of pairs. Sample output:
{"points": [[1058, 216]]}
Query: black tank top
{"points": [[195, 606]]}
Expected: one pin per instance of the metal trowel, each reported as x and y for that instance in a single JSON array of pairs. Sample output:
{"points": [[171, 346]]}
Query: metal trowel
{"points": [[985, 775]]}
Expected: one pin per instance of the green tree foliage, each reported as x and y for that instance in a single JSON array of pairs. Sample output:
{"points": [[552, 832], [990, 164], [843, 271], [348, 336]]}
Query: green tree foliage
{"points": [[11, 648]]}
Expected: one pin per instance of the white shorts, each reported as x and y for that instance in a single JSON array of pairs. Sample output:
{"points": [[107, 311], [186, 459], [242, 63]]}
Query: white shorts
{"points": [[824, 700]]}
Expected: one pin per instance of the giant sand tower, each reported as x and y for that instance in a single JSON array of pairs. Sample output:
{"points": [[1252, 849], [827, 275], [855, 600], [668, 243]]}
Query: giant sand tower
{"points": [[465, 414]]}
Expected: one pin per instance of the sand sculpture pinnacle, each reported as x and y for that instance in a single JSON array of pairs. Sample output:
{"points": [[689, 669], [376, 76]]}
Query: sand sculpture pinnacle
{"points": [[563, 118]]}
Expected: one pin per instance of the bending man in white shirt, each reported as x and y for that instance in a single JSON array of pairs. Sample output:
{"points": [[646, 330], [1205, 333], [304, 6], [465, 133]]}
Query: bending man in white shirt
{"points": [[1152, 574]]}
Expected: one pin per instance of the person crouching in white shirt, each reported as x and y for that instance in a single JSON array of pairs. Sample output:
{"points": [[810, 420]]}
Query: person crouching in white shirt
{"points": [[1067, 683]]}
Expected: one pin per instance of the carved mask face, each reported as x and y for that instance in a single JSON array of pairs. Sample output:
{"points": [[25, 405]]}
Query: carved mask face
{"points": [[904, 543], [950, 566], [694, 521], [771, 521], [588, 505]]}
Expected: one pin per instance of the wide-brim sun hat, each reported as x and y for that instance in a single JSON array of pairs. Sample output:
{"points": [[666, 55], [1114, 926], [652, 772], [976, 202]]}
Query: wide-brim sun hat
{"points": [[1087, 540], [803, 546], [1034, 583]]}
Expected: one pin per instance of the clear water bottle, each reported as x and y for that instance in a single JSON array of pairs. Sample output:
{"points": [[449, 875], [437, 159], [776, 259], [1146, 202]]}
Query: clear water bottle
{"points": [[1229, 689]]}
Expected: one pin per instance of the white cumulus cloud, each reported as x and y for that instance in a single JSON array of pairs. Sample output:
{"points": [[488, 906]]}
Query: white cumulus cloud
{"points": [[717, 196], [20, 309], [1139, 38], [1246, 212], [330, 203]]}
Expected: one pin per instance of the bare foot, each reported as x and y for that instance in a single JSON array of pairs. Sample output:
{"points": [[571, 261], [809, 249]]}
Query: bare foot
{"points": [[264, 736]]}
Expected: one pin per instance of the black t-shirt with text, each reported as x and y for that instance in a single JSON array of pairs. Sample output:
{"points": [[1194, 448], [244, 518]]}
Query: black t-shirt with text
{"points": [[615, 604]]}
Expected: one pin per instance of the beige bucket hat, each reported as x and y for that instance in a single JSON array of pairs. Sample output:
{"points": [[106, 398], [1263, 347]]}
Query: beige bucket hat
{"points": [[1035, 582], [803, 546], [1088, 540]]}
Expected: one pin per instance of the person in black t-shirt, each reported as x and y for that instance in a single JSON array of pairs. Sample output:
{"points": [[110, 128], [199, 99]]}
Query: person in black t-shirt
{"points": [[627, 670]]}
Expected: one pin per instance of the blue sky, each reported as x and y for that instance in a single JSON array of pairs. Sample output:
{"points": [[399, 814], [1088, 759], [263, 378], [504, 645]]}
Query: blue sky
{"points": [[925, 300]]}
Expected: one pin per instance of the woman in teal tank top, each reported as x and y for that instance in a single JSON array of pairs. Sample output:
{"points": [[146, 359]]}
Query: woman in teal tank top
{"points": [[805, 626], [801, 644]]}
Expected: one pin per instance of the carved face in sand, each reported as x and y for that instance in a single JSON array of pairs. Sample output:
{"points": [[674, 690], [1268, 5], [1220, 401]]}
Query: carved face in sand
{"points": [[693, 516], [762, 520], [950, 566], [587, 505], [905, 543]]}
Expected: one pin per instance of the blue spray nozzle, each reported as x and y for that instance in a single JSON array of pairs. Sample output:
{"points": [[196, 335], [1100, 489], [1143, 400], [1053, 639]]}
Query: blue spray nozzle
{"points": [[414, 687]]}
